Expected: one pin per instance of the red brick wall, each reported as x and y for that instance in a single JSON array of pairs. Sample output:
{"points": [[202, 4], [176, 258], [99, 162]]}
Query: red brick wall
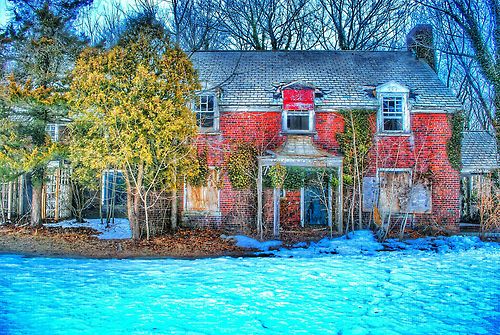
{"points": [[290, 210], [423, 150]]}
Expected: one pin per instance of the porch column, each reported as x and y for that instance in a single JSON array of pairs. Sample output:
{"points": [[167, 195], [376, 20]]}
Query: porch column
{"points": [[20, 195], [340, 196], [330, 203], [259, 202]]}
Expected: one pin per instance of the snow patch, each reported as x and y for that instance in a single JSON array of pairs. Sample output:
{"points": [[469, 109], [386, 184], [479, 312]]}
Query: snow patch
{"points": [[117, 230], [363, 242], [355, 243], [439, 244], [251, 243]]}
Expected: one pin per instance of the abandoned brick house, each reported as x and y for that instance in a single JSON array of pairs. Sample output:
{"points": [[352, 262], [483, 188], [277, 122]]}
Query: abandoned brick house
{"points": [[291, 103]]}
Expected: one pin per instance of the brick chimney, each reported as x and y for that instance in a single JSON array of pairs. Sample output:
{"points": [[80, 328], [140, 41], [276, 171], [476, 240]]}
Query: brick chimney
{"points": [[420, 41]]}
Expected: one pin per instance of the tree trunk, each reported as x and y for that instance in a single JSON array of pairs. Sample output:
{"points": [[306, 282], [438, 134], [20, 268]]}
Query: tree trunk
{"points": [[131, 213], [36, 206], [173, 212]]}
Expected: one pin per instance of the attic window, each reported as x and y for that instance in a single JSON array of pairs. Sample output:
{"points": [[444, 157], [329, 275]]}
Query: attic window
{"points": [[298, 120], [298, 108], [206, 111], [393, 116]]}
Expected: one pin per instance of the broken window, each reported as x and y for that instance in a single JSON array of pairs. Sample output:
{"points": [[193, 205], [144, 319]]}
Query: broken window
{"points": [[204, 198], [393, 113], [395, 187], [205, 108]]}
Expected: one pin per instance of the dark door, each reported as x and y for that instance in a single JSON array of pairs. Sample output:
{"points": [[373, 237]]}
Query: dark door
{"points": [[315, 210]]}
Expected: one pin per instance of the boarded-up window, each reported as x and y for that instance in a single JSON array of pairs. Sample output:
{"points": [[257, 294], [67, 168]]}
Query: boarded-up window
{"points": [[204, 198], [395, 187]]}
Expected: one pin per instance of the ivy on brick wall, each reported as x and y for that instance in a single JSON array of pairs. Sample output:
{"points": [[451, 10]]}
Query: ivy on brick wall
{"points": [[277, 173], [201, 177], [454, 145], [355, 142], [242, 166], [296, 177]]}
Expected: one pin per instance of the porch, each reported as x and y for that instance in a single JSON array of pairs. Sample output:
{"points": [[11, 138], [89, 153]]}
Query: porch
{"points": [[318, 185]]}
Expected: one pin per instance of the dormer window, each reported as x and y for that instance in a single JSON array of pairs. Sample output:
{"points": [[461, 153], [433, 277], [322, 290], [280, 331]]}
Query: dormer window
{"points": [[298, 121], [298, 108], [393, 116], [207, 114]]}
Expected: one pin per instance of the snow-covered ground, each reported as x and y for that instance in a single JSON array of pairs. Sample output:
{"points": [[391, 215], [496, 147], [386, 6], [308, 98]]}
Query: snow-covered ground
{"points": [[361, 242], [452, 289], [119, 229]]}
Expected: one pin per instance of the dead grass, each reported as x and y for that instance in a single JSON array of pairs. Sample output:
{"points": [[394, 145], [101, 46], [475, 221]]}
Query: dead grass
{"points": [[79, 242]]}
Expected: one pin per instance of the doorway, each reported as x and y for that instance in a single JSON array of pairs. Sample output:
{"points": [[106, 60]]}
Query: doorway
{"points": [[314, 206]]}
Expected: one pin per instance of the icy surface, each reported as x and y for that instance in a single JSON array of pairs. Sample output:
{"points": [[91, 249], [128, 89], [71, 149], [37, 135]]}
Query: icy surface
{"points": [[363, 242], [119, 229], [250, 243], [399, 292]]}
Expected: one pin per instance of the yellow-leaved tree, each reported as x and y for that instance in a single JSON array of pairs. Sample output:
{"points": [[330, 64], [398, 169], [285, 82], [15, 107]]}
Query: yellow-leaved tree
{"points": [[131, 111]]}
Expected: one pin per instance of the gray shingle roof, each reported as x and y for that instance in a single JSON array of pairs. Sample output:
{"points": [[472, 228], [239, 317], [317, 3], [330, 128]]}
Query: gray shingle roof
{"points": [[479, 151], [249, 77]]}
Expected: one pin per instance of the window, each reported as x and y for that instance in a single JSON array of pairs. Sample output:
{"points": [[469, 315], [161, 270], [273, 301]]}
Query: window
{"points": [[113, 191], [52, 130], [204, 198], [393, 116], [206, 112], [297, 121], [395, 188]]}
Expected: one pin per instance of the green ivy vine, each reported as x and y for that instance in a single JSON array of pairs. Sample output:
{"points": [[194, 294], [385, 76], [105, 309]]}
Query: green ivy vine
{"points": [[355, 142], [296, 177], [201, 177], [242, 166], [454, 144]]}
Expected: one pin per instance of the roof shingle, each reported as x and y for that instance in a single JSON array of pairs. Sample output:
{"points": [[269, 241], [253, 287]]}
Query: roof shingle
{"points": [[249, 78], [479, 152]]}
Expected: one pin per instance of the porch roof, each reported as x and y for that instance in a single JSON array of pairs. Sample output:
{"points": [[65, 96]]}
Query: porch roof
{"points": [[299, 150]]}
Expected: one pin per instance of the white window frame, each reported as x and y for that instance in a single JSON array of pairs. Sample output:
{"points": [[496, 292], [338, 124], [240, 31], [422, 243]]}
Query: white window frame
{"points": [[284, 121], [393, 90], [196, 109], [52, 129]]}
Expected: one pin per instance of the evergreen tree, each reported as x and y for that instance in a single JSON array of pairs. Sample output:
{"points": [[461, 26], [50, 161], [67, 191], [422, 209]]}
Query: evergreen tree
{"points": [[130, 111], [39, 47]]}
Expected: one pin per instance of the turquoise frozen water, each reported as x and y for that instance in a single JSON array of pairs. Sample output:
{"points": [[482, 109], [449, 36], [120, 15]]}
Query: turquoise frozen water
{"points": [[389, 293]]}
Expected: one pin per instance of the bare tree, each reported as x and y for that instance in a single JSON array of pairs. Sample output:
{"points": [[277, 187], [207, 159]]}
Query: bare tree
{"points": [[267, 24], [195, 24], [362, 24], [470, 38]]}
